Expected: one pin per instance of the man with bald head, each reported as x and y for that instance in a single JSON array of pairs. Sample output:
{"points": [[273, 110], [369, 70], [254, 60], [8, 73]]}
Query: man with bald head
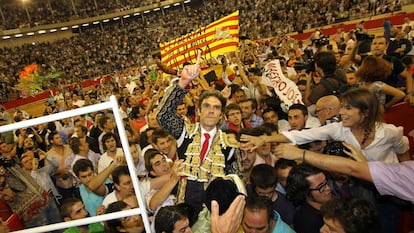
{"points": [[327, 109]]}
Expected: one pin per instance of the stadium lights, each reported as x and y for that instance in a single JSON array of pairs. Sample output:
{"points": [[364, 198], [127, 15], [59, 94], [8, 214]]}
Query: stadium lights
{"points": [[53, 30], [85, 24], [147, 11], [105, 20], [6, 37], [18, 35], [176, 4], [187, 1], [156, 9], [30, 33], [64, 28], [116, 18], [75, 26], [126, 16], [167, 6], [96, 22], [42, 32], [136, 14]]}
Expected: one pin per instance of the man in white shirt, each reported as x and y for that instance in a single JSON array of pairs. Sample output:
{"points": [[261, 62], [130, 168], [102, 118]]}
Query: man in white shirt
{"points": [[299, 118], [76, 101], [124, 189], [111, 151]]}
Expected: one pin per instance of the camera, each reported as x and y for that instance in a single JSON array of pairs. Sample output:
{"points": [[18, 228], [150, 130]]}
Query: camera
{"points": [[5, 162], [324, 40], [309, 65], [364, 36]]}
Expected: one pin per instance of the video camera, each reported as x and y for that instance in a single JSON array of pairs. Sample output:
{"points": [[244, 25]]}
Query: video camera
{"points": [[364, 36], [6, 162], [324, 40], [309, 65]]}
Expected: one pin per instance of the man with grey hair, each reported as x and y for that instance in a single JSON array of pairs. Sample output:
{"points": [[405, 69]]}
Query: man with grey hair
{"points": [[327, 109]]}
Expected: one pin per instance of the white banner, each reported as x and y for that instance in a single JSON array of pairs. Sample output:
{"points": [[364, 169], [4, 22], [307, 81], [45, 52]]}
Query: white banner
{"points": [[285, 88]]}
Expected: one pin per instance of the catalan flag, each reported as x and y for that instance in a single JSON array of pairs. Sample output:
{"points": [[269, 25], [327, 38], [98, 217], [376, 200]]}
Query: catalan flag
{"points": [[219, 37]]}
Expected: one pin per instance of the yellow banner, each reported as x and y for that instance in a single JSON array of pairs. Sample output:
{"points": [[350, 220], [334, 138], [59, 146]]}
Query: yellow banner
{"points": [[219, 37]]}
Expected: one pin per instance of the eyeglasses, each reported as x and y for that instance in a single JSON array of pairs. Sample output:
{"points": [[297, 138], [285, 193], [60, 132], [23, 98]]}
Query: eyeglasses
{"points": [[319, 110], [321, 188]]}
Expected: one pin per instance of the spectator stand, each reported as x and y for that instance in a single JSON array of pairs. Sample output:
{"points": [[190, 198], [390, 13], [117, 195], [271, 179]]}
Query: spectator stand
{"points": [[112, 104]]}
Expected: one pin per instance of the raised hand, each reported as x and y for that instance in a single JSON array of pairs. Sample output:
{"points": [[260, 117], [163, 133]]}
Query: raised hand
{"points": [[251, 142], [288, 151], [354, 153], [226, 92], [189, 73], [100, 210], [177, 168], [119, 161], [229, 222], [410, 99]]}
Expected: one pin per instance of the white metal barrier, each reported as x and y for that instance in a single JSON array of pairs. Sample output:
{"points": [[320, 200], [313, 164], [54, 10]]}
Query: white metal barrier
{"points": [[112, 104]]}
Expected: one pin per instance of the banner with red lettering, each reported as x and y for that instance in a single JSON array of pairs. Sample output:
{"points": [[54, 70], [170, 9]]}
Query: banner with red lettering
{"points": [[285, 88]]}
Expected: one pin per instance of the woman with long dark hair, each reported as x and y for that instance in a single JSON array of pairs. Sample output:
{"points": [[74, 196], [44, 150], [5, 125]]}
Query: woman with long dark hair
{"points": [[361, 126]]}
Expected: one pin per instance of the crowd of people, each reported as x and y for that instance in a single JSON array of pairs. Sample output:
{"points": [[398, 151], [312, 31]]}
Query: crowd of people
{"points": [[35, 13], [129, 42], [215, 152], [202, 140], [41, 13]]}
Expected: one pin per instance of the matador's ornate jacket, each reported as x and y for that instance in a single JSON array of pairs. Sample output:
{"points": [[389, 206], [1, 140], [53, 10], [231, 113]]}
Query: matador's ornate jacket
{"points": [[222, 158]]}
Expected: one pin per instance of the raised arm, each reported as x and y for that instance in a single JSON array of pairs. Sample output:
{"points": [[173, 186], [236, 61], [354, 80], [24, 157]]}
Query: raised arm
{"points": [[158, 182], [327, 162], [243, 75], [395, 93], [96, 184], [408, 86], [253, 142], [167, 117], [162, 194], [308, 89]]}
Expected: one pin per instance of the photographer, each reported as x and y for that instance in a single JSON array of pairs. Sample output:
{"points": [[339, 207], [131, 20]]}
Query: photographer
{"points": [[325, 65], [28, 139]]}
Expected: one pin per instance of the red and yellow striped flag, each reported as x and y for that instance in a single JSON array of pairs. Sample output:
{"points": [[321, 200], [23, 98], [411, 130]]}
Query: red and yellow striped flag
{"points": [[217, 38]]}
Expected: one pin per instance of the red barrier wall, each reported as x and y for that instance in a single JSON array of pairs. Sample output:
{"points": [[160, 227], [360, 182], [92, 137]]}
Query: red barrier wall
{"points": [[402, 115], [397, 19], [45, 94]]}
